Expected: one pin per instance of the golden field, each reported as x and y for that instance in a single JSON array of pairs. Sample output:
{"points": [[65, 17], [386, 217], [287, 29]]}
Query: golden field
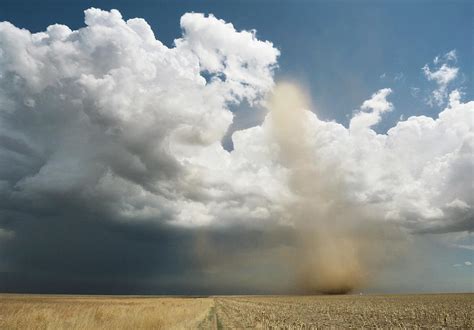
{"points": [[101, 312], [287, 312]]}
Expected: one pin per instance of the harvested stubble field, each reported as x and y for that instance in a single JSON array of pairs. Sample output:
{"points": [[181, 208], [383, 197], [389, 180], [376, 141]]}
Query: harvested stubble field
{"points": [[291, 312], [453, 310]]}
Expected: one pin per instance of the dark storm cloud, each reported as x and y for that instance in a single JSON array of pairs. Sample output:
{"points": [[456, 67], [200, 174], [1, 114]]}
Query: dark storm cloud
{"points": [[75, 250]]}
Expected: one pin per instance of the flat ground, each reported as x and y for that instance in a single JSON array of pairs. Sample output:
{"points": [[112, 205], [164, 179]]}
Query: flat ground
{"points": [[453, 310], [101, 312], [92, 312]]}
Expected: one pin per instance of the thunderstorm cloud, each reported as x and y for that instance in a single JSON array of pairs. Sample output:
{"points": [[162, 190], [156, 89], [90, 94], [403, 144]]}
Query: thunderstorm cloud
{"points": [[112, 161]]}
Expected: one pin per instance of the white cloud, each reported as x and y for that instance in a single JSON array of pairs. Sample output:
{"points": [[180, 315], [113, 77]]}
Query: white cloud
{"points": [[109, 112], [110, 117], [377, 105], [239, 57], [416, 174], [467, 263], [443, 74]]}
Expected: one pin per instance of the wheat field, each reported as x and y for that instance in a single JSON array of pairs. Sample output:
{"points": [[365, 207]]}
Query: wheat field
{"points": [[241, 312], [101, 312]]}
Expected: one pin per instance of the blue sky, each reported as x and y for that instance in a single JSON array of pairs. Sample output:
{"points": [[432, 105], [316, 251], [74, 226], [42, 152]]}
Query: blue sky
{"points": [[339, 52]]}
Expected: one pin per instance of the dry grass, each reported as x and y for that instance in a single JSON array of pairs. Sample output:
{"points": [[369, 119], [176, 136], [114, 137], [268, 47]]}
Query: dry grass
{"points": [[283, 312], [369, 311], [89, 312]]}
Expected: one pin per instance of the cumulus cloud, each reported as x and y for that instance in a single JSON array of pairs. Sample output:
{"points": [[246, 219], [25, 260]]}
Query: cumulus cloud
{"points": [[109, 112], [412, 175], [377, 105], [106, 130], [443, 73]]}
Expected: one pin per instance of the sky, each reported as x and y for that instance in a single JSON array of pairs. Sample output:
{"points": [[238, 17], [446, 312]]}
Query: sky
{"points": [[236, 147]]}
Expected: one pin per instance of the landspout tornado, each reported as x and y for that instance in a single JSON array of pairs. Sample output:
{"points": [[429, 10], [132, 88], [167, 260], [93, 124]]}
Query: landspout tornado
{"points": [[340, 246]]}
